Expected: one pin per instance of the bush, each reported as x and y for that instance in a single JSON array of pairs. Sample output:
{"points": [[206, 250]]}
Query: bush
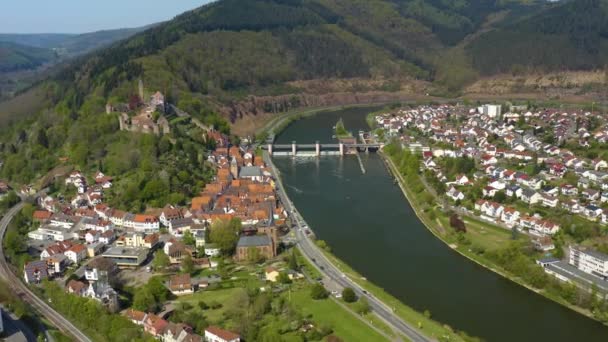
{"points": [[215, 305], [348, 295], [362, 306], [318, 292]]}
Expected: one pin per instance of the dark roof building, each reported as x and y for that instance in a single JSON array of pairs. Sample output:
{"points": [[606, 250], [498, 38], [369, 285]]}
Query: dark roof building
{"points": [[256, 246], [36, 271]]}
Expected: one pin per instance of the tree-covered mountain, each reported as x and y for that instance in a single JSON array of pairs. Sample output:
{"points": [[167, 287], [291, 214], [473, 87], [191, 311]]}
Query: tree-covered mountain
{"points": [[71, 44], [223, 51], [569, 36], [255, 47], [16, 57], [22, 55], [214, 57]]}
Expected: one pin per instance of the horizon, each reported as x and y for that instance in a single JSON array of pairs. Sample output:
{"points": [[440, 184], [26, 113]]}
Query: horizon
{"points": [[73, 17]]}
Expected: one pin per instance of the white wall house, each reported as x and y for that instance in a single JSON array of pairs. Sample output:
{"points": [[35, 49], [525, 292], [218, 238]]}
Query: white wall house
{"points": [[589, 261]]}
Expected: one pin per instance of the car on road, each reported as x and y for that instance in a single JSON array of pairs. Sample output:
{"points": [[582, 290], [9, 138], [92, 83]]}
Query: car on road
{"points": [[365, 292]]}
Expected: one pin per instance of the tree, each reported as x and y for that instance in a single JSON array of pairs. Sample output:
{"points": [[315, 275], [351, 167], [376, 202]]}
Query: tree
{"points": [[188, 238], [318, 292], [457, 223], [225, 234], [349, 296], [157, 289], [200, 251], [144, 300], [323, 245], [41, 138], [293, 261], [500, 197], [161, 260], [187, 264], [362, 306], [283, 278]]}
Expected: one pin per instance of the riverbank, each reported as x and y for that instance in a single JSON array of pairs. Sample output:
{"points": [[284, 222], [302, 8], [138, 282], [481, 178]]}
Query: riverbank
{"points": [[422, 321], [438, 229]]}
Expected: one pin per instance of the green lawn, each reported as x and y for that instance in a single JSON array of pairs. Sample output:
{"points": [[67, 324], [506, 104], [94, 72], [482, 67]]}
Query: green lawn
{"points": [[227, 297], [345, 325], [486, 235]]}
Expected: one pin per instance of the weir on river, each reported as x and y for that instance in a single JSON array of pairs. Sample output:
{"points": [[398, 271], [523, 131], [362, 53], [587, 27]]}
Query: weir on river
{"points": [[369, 224]]}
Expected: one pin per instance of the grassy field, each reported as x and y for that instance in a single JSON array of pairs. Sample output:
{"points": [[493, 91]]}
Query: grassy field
{"points": [[487, 235], [345, 325], [229, 298], [327, 312]]}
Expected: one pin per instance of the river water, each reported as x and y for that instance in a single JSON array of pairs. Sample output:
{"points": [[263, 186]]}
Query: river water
{"points": [[370, 225]]}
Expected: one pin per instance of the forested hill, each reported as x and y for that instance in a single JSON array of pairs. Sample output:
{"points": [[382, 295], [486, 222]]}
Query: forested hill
{"points": [[223, 51], [16, 57], [212, 58], [70, 44], [569, 36]]}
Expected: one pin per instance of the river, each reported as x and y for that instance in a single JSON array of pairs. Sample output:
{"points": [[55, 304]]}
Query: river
{"points": [[370, 225]]}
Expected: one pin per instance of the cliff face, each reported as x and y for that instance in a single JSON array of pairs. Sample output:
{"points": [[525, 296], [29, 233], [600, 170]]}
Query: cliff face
{"points": [[256, 105]]}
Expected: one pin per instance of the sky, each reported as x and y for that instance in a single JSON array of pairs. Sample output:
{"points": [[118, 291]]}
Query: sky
{"points": [[80, 16]]}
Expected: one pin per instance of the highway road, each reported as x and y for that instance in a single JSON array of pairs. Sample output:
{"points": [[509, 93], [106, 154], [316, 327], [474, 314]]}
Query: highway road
{"points": [[15, 283], [310, 250]]}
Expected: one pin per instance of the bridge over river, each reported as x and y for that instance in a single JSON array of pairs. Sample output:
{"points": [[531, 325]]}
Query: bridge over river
{"points": [[318, 149]]}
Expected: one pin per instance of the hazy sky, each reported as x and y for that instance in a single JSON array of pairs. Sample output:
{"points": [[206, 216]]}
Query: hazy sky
{"points": [[79, 16]]}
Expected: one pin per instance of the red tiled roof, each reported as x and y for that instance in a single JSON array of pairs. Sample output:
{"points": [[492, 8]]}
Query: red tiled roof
{"points": [[225, 334], [42, 215]]}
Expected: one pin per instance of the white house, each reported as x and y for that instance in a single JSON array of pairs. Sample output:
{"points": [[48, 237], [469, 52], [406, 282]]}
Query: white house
{"points": [[530, 196], [590, 194], [216, 334], [92, 236], [569, 190], [76, 253], [489, 191], [592, 212], [549, 201], [454, 194], [462, 180], [169, 214], [510, 216], [513, 191], [546, 227]]}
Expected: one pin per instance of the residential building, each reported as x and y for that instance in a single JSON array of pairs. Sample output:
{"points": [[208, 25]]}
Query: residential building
{"points": [[589, 261], [181, 284], [35, 271], [216, 334], [76, 253]]}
